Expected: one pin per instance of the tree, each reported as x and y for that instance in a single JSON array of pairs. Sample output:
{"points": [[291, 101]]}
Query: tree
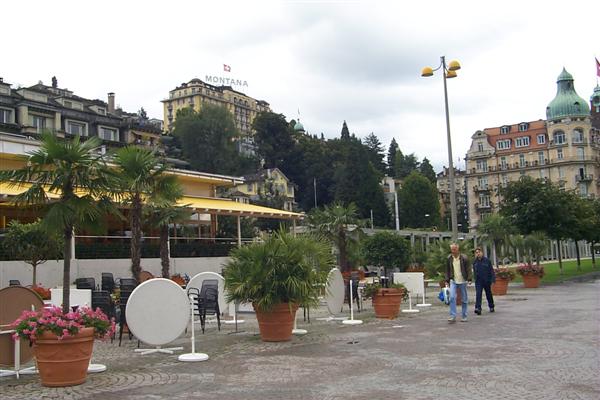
{"points": [[32, 244], [208, 140], [418, 202], [535, 205], [391, 157], [141, 174], [495, 229], [273, 139], [426, 169], [375, 152], [405, 165], [593, 234], [345, 135], [76, 173], [386, 249], [336, 222]]}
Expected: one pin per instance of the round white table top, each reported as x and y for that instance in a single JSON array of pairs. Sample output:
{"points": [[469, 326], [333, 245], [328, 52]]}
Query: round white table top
{"points": [[335, 291], [158, 311], [196, 282]]}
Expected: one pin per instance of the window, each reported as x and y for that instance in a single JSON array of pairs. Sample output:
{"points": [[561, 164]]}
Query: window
{"points": [[503, 163], [482, 165], [249, 187], [577, 136], [522, 141], [580, 153], [521, 160], [38, 122], [504, 180], [561, 173], [5, 115], [101, 111], [76, 128], [559, 137], [583, 190], [542, 173], [541, 139], [503, 144], [559, 154], [479, 146], [68, 104], [484, 200], [108, 134], [523, 127], [482, 182], [504, 129], [541, 159]]}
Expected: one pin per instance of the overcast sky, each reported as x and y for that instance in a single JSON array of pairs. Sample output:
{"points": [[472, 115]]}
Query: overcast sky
{"points": [[357, 61]]}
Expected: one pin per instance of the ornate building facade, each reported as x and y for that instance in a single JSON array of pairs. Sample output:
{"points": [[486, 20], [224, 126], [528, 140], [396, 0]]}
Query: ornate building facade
{"points": [[564, 148]]}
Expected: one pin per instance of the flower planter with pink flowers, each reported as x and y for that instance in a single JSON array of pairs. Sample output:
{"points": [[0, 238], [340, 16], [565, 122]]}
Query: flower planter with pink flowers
{"points": [[532, 274]]}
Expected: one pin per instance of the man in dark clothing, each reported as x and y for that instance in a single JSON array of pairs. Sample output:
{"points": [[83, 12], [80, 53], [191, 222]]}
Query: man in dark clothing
{"points": [[484, 277]]}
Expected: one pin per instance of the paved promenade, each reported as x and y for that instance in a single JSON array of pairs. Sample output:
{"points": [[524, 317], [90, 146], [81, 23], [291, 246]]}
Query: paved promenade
{"points": [[540, 344]]}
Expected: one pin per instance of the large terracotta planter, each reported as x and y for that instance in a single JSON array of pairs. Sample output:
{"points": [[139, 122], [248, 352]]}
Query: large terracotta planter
{"points": [[276, 324], [531, 281], [64, 362], [387, 303], [500, 287]]}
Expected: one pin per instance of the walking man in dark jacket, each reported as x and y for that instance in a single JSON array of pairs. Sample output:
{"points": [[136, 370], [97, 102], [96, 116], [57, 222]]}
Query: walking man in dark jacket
{"points": [[484, 277], [458, 275]]}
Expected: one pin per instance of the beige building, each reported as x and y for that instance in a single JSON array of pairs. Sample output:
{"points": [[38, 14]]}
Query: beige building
{"points": [[443, 187], [195, 93], [564, 149], [266, 183]]}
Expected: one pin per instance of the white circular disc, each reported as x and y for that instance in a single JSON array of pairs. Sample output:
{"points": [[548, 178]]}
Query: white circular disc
{"points": [[352, 322], [299, 331], [158, 311], [232, 321], [93, 368], [423, 305], [334, 295], [196, 282], [193, 357], [410, 311]]}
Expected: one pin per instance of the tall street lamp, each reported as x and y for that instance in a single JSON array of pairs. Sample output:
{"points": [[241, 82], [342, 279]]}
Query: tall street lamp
{"points": [[449, 71]]}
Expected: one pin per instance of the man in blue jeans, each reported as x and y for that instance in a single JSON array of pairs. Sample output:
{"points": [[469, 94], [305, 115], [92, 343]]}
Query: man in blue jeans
{"points": [[458, 275], [484, 277]]}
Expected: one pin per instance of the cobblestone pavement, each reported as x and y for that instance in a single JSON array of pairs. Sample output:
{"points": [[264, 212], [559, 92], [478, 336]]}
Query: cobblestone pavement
{"points": [[540, 344]]}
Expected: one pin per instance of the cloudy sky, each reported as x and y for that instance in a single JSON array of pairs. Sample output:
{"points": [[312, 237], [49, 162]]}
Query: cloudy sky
{"points": [[357, 61]]}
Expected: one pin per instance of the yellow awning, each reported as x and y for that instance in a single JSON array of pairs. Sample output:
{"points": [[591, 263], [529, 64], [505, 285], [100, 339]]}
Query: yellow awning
{"points": [[200, 204], [230, 207]]}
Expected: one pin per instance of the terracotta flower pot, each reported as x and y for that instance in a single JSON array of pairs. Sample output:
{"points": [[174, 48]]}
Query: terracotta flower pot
{"points": [[387, 303], [64, 362], [531, 281], [500, 287], [276, 324]]}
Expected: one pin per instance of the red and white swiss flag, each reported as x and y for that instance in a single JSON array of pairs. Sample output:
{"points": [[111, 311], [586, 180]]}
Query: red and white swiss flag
{"points": [[226, 68]]}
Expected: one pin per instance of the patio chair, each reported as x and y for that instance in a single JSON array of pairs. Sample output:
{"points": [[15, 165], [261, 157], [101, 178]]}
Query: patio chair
{"points": [[108, 282], [125, 293], [101, 299], [14, 282], [85, 283]]}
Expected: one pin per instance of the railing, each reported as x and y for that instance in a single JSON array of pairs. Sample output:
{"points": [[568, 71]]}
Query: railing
{"points": [[584, 178]]}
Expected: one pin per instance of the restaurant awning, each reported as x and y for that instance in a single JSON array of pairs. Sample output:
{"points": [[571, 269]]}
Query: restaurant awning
{"points": [[230, 207], [200, 204]]}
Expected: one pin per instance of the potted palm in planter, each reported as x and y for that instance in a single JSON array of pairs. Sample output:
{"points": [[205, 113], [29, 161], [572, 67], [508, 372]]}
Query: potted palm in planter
{"points": [[277, 276], [387, 250], [503, 276], [63, 342]]}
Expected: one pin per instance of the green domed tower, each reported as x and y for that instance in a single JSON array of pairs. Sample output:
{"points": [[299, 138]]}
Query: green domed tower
{"points": [[567, 102]]}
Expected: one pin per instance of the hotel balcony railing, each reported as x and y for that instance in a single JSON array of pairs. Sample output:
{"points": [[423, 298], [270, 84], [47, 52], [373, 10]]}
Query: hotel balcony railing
{"points": [[584, 178]]}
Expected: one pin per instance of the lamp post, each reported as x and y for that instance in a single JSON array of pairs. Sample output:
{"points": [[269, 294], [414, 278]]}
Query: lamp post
{"points": [[448, 72]]}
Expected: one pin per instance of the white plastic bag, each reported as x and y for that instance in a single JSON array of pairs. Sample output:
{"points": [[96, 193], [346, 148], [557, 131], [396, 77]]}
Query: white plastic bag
{"points": [[446, 291]]}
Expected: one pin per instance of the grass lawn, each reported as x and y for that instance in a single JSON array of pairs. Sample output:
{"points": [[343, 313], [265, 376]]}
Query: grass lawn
{"points": [[552, 272]]}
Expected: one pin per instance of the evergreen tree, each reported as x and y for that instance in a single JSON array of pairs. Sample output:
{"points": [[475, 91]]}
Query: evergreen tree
{"points": [[405, 165], [375, 152], [427, 171], [345, 132], [391, 157], [418, 202], [274, 140]]}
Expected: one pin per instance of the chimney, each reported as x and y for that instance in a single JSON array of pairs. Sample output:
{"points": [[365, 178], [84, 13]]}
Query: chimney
{"points": [[111, 102]]}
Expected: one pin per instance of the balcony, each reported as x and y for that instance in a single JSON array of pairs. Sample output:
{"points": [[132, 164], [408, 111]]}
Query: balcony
{"points": [[482, 188], [484, 207], [584, 178]]}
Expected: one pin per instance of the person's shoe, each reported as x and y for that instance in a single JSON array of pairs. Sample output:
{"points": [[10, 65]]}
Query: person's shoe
{"points": [[491, 309], [451, 320], [478, 312], [464, 319]]}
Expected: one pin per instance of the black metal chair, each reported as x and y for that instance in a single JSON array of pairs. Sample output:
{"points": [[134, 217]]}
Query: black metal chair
{"points": [[108, 282], [85, 283], [208, 303], [101, 299], [14, 282], [126, 286]]}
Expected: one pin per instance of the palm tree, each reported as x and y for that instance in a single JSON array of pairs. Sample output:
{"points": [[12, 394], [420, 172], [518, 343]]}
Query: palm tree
{"points": [[75, 172], [335, 222], [141, 173], [161, 217], [495, 229]]}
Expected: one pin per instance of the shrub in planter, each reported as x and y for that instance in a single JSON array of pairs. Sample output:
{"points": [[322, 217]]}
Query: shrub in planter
{"points": [[386, 301], [503, 277], [277, 275], [531, 274]]}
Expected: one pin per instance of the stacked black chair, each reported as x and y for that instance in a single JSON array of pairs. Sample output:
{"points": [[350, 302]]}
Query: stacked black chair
{"points": [[85, 283], [108, 282], [208, 302], [126, 286], [14, 282], [101, 299]]}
